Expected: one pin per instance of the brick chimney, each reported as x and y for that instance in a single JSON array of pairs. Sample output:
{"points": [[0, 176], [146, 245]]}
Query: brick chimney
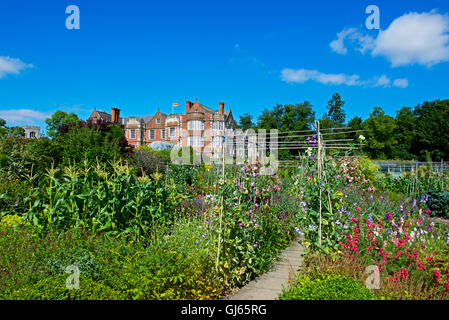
{"points": [[221, 108], [115, 115], [188, 105]]}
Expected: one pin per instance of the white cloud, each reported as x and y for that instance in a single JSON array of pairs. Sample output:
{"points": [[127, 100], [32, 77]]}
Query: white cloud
{"points": [[414, 38], [12, 66], [382, 81], [304, 75], [23, 116], [365, 42], [400, 83]]}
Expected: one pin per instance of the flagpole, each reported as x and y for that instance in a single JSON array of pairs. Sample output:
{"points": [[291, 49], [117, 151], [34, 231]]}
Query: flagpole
{"points": [[173, 105]]}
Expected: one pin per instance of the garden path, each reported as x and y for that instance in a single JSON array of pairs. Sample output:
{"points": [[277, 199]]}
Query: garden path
{"points": [[269, 285]]}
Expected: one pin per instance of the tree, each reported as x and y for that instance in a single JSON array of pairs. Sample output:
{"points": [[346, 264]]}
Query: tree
{"points": [[336, 112], [16, 132], [404, 134], [356, 123], [3, 129], [246, 122], [432, 130], [380, 140], [289, 117], [91, 141], [6, 131], [58, 119], [326, 122]]}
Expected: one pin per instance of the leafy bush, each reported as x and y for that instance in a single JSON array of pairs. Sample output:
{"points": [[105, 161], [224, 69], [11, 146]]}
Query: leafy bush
{"points": [[148, 162], [177, 264], [327, 287], [438, 202], [54, 288]]}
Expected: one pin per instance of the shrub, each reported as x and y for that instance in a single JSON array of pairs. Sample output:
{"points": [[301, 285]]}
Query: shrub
{"points": [[54, 288], [327, 287], [177, 264], [11, 220], [438, 202]]}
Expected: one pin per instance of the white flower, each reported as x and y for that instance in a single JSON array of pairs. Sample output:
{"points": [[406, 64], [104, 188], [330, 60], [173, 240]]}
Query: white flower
{"points": [[361, 137]]}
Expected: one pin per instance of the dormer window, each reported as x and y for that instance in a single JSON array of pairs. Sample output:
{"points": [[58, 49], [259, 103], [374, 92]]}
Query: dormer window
{"points": [[158, 121]]}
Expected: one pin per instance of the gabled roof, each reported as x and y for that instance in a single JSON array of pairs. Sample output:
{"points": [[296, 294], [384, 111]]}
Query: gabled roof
{"points": [[207, 109], [104, 115], [146, 119]]}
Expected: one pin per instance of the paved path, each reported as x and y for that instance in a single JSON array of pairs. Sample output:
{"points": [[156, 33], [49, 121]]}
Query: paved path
{"points": [[269, 285]]}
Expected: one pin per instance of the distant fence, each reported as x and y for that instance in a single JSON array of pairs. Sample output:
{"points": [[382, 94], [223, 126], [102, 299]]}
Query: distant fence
{"points": [[397, 168]]}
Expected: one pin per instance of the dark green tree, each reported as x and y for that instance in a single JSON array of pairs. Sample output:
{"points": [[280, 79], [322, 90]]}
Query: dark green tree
{"points": [[246, 122], [287, 118], [3, 129], [432, 130], [380, 140], [404, 134], [356, 123], [335, 110], [91, 141], [58, 119], [16, 132]]}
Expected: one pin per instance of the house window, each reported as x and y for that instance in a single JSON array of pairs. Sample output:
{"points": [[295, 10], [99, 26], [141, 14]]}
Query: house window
{"points": [[218, 125], [158, 121], [32, 134], [163, 133], [217, 141], [172, 132], [133, 134], [151, 134], [195, 125], [195, 141]]}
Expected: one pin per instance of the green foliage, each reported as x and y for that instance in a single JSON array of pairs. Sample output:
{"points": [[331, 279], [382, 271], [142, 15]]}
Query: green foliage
{"points": [[246, 122], [335, 110], [432, 130], [58, 119], [54, 288], [327, 287], [380, 141], [6, 131], [98, 200], [176, 264], [15, 159], [371, 170], [82, 142], [438, 202], [404, 133], [287, 117]]}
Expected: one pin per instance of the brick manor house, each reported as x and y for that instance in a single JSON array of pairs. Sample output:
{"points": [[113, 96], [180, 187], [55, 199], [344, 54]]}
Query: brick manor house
{"points": [[184, 129]]}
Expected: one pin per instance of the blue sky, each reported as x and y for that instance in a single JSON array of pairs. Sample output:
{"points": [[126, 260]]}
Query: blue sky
{"points": [[144, 55]]}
